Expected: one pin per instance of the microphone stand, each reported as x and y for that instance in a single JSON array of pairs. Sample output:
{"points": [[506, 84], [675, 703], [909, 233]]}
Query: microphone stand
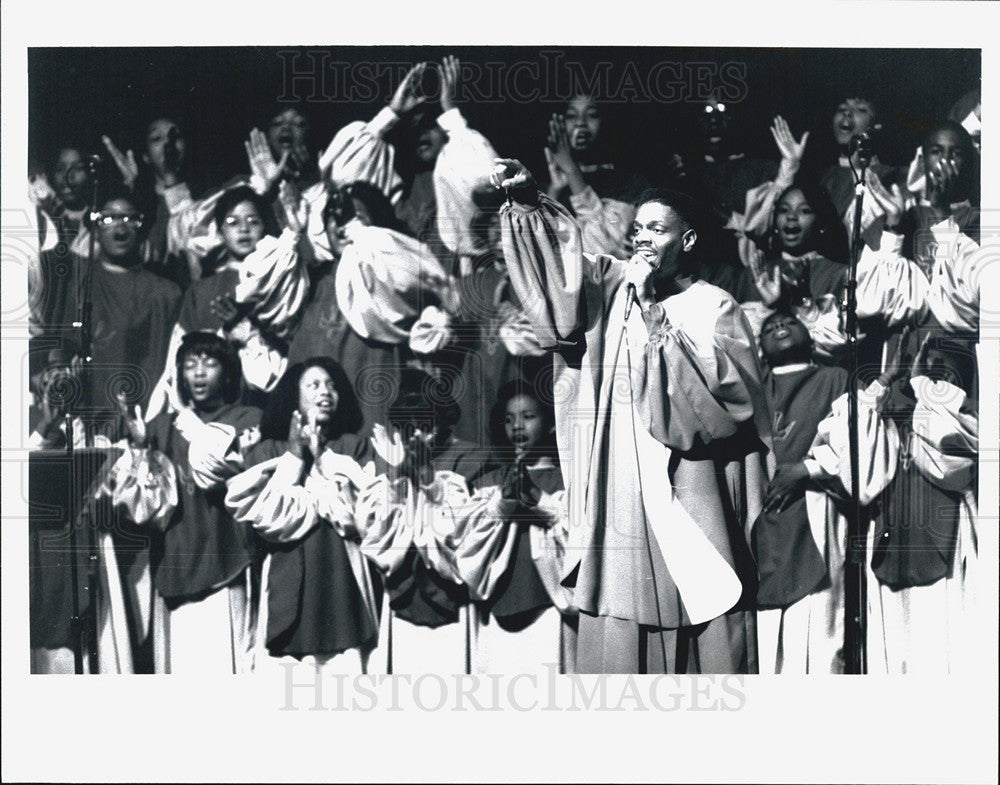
{"points": [[855, 586], [79, 508]]}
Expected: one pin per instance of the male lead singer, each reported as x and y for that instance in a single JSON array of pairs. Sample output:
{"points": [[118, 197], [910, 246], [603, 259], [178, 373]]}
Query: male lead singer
{"points": [[663, 433]]}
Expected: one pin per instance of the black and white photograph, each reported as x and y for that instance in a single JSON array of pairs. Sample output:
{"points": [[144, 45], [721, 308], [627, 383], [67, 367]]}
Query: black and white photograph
{"points": [[373, 396]]}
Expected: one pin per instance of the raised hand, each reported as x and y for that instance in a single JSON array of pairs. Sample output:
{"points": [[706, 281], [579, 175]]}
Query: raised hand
{"points": [[133, 422], [767, 278], [510, 173], [298, 438], [417, 463], [296, 208], [919, 365], [313, 432], [891, 202], [557, 177], [405, 98], [790, 149], [449, 71], [558, 144], [125, 162], [41, 195], [940, 180], [227, 310], [263, 167]]}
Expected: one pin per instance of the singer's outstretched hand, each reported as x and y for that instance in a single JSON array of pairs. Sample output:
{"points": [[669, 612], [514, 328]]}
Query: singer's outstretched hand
{"points": [[511, 173]]}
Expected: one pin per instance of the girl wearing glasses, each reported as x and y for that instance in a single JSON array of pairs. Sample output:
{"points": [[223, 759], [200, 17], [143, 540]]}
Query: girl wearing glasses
{"points": [[257, 290]]}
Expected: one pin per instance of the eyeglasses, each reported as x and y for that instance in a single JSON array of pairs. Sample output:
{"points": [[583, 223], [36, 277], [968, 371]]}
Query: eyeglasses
{"points": [[250, 222], [119, 219]]}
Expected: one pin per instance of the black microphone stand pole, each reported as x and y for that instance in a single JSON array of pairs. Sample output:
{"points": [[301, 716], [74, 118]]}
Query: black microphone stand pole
{"points": [[855, 587], [84, 635]]}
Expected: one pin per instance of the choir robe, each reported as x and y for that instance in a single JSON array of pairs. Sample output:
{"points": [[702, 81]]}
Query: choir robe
{"points": [[438, 209], [605, 209], [924, 616], [513, 567], [274, 285], [946, 289], [800, 549], [494, 345], [362, 308], [200, 557], [664, 438], [409, 535], [319, 597], [133, 311]]}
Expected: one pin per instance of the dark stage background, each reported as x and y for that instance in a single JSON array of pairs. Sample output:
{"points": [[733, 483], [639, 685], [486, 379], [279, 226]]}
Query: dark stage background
{"points": [[218, 94]]}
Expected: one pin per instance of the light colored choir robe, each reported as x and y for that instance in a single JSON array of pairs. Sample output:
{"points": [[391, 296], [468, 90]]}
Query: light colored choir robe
{"points": [[800, 622], [931, 620], [408, 535], [359, 151], [898, 291], [369, 312], [822, 317], [492, 551], [664, 439], [306, 613]]}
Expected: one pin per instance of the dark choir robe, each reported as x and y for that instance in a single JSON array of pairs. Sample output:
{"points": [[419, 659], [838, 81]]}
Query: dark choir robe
{"points": [[202, 547], [520, 595], [133, 313], [790, 564], [372, 367], [315, 604]]}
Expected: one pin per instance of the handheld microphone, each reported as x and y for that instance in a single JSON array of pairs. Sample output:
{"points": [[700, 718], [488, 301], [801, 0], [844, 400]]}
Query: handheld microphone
{"points": [[630, 301]]}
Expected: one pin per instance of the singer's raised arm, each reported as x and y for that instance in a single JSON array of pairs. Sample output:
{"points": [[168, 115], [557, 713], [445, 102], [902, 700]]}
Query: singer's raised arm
{"points": [[563, 290]]}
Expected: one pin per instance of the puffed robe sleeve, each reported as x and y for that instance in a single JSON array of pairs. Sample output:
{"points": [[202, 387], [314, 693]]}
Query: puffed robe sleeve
{"points": [[395, 515], [945, 435], [604, 223], [829, 461], [274, 284], [143, 483], [462, 166], [487, 541], [272, 499], [891, 287], [214, 452], [359, 152], [383, 280], [191, 229], [693, 385], [543, 251], [900, 291]]}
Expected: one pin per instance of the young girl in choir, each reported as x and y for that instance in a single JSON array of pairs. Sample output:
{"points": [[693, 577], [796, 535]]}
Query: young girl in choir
{"points": [[512, 539], [319, 598], [258, 289], [200, 557]]}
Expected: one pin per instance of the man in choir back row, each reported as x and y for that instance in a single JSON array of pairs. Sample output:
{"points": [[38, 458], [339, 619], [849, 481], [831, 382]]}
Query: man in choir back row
{"points": [[664, 427]]}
